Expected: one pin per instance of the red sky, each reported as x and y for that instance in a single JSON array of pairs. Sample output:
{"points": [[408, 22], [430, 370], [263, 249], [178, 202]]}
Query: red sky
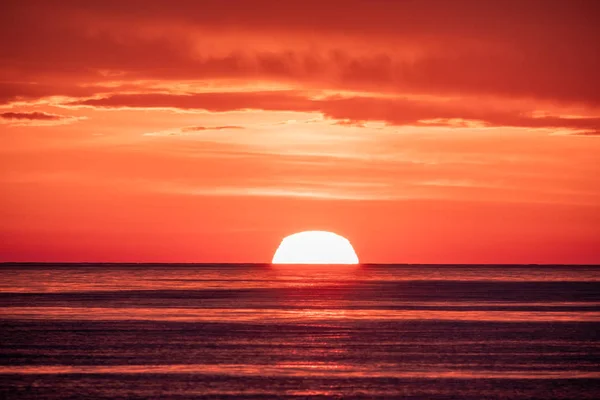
{"points": [[205, 131]]}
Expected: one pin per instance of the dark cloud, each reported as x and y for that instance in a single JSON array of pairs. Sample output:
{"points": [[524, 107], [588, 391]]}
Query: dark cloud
{"points": [[32, 116], [349, 110], [538, 49], [588, 133], [215, 102], [27, 91]]}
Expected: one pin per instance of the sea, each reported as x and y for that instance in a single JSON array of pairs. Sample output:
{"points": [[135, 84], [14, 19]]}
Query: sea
{"points": [[261, 331]]}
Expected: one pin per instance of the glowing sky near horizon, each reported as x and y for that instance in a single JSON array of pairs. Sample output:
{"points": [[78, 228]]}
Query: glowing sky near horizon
{"points": [[196, 131]]}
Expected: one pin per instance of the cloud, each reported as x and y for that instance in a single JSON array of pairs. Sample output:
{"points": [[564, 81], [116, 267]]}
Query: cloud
{"points": [[205, 128], [302, 189], [354, 110], [215, 102], [544, 50], [36, 116], [11, 92], [140, 55], [587, 133], [191, 129]]}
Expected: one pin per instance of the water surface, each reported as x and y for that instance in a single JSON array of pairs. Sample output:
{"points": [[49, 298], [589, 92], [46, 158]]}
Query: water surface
{"points": [[260, 331]]}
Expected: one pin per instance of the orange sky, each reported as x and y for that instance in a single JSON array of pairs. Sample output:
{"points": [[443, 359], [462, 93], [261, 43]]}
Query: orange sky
{"points": [[205, 131]]}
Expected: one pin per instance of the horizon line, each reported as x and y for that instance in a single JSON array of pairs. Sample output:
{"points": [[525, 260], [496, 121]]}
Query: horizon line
{"points": [[6, 263]]}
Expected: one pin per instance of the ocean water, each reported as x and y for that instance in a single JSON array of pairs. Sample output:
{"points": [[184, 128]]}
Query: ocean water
{"points": [[259, 331]]}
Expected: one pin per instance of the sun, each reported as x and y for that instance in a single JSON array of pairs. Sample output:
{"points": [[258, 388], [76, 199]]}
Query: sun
{"points": [[315, 247]]}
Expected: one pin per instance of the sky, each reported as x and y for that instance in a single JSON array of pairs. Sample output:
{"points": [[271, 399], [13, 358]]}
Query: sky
{"points": [[206, 131]]}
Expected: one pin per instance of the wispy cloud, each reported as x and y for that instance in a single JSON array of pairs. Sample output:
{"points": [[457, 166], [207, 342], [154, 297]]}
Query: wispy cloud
{"points": [[33, 116], [36, 118], [303, 189], [586, 133], [208, 128], [189, 130]]}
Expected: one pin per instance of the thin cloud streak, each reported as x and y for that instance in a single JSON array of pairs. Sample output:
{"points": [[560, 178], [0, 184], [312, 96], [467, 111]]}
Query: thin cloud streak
{"points": [[354, 111], [190, 130], [31, 116], [36, 118]]}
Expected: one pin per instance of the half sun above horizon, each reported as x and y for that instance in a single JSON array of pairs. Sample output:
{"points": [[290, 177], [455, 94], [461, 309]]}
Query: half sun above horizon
{"points": [[315, 247]]}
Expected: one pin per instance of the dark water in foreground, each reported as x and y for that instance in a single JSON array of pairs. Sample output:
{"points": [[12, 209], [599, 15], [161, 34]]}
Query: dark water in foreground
{"points": [[256, 331]]}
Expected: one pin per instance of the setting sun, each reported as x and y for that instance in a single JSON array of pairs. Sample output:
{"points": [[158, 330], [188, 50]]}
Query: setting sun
{"points": [[315, 247]]}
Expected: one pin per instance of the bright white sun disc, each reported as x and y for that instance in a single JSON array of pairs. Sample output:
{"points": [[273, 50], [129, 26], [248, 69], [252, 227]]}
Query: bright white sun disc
{"points": [[315, 247]]}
